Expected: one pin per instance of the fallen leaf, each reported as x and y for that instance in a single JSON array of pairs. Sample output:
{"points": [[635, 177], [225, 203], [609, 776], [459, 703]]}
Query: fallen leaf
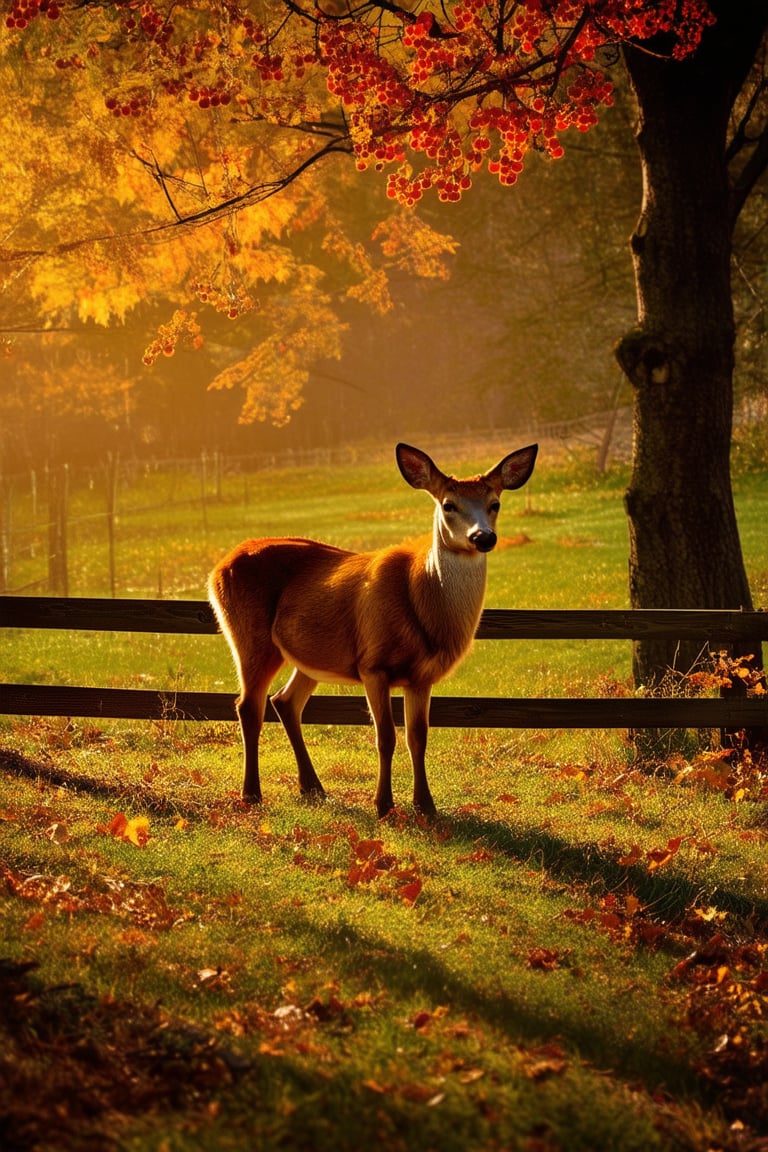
{"points": [[631, 905], [410, 892], [635, 854], [374, 1086], [543, 959], [134, 831], [479, 856], [58, 833], [137, 831], [555, 798], [548, 1060], [658, 857], [368, 849]]}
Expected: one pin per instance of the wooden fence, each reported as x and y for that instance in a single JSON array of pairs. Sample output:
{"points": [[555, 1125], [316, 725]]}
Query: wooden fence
{"points": [[718, 629]]}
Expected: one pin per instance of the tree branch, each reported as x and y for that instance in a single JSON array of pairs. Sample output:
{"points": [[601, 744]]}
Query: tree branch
{"points": [[754, 168], [253, 195]]}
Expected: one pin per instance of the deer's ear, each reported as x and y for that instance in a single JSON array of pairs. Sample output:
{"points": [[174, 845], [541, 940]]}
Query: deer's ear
{"points": [[514, 470], [417, 468]]}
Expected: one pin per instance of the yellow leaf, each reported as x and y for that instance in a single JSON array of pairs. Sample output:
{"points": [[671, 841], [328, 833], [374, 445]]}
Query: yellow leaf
{"points": [[137, 831], [632, 905]]}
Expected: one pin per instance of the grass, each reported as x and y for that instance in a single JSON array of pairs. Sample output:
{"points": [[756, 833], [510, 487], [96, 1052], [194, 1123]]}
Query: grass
{"points": [[572, 956]]}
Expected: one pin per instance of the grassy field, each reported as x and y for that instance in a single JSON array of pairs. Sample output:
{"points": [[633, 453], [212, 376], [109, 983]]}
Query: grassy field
{"points": [[572, 956]]}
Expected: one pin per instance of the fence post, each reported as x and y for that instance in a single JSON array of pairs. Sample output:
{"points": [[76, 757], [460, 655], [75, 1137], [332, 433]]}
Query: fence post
{"points": [[204, 488], [58, 499], [113, 459], [33, 513], [5, 534], [218, 471]]}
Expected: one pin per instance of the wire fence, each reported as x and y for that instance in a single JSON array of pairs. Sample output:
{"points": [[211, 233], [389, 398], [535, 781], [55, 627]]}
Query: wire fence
{"points": [[42, 509]]}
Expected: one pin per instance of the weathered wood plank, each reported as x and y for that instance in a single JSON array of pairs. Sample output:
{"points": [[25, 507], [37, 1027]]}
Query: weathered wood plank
{"points": [[719, 627], [196, 618], [446, 711], [105, 615]]}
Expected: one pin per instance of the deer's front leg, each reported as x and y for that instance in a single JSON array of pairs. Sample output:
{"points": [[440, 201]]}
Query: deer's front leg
{"points": [[416, 730], [380, 704]]}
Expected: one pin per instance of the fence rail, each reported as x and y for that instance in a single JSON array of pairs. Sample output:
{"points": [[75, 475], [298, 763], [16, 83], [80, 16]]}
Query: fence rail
{"points": [[194, 617]]}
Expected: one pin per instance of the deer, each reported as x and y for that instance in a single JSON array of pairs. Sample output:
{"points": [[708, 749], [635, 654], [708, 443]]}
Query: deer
{"points": [[400, 617]]}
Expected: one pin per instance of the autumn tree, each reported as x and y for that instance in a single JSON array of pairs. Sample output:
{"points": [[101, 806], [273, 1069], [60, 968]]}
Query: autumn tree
{"points": [[432, 93], [703, 144], [111, 214]]}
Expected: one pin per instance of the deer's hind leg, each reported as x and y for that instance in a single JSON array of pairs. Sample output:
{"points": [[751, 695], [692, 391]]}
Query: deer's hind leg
{"points": [[257, 670], [289, 704]]}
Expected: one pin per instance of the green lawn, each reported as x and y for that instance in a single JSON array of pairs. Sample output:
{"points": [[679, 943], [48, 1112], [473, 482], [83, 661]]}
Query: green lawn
{"points": [[572, 956]]}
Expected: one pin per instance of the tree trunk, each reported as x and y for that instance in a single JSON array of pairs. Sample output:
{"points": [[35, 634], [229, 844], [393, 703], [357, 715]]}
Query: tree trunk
{"points": [[684, 542]]}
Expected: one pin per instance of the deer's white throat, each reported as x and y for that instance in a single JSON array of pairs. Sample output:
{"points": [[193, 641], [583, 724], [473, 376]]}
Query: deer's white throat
{"points": [[460, 575]]}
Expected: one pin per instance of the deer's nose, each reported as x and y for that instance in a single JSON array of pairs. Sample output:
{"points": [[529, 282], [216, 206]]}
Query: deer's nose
{"points": [[483, 539]]}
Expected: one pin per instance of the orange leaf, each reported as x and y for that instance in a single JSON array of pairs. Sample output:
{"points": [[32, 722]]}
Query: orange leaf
{"points": [[579, 915], [555, 798], [374, 1086], [368, 849], [134, 831], [610, 921], [543, 959], [410, 892], [635, 854], [658, 857], [117, 825], [479, 856], [631, 905]]}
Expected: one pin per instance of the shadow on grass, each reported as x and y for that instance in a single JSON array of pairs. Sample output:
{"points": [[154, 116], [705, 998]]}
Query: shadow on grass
{"points": [[536, 1008], [413, 974], [668, 894]]}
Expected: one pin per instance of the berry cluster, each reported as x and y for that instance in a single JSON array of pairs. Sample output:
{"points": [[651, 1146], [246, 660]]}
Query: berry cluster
{"points": [[232, 300], [359, 74], [269, 64], [439, 93], [24, 12], [64, 62], [527, 94], [134, 103], [182, 325], [150, 24], [215, 96]]}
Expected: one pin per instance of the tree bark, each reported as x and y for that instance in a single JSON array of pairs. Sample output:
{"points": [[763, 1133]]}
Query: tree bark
{"points": [[685, 550]]}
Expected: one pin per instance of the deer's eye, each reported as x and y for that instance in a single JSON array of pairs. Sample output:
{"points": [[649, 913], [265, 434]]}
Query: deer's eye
{"points": [[449, 506], [494, 507]]}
